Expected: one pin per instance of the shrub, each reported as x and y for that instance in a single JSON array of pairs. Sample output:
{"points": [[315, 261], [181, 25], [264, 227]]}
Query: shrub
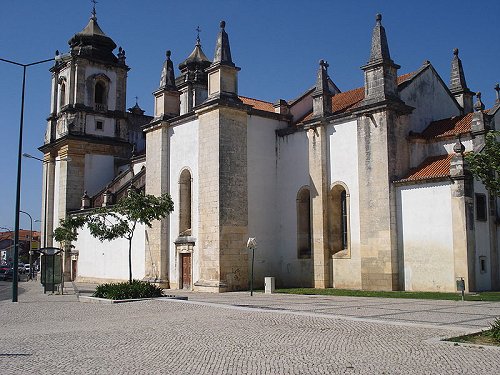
{"points": [[494, 331], [126, 290]]}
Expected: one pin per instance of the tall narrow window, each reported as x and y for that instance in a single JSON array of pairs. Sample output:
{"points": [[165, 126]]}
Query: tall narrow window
{"points": [[343, 216], [338, 219], [185, 223], [62, 95], [99, 93], [481, 207], [304, 223]]}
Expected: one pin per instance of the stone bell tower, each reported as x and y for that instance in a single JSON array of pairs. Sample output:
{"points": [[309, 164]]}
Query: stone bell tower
{"points": [[87, 124]]}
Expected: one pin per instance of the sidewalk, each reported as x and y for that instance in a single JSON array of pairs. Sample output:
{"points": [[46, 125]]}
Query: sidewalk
{"points": [[455, 315], [234, 333]]}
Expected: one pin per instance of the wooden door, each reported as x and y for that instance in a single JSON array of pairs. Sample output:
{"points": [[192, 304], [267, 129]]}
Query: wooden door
{"points": [[186, 271]]}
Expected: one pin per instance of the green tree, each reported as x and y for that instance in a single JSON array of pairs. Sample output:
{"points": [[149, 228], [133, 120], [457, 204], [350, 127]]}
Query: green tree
{"points": [[117, 221], [485, 165]]}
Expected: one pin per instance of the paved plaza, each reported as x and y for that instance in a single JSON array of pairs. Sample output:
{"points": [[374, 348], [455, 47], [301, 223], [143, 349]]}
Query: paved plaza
{"points": [[234, 333]]}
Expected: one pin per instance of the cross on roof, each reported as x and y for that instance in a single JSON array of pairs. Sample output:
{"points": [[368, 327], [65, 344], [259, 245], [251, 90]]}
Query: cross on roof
{"points": [[93, 8]]}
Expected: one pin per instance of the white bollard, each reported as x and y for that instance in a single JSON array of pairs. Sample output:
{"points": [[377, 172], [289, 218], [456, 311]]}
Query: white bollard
{"points": [[269, 285]]}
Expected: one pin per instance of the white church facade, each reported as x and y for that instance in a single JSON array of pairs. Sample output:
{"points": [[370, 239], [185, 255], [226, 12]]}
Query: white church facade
{"points": [[359, 189]]}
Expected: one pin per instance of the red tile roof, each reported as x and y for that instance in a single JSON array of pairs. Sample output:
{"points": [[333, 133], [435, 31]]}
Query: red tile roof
{"points": [[344, 101], [448, 127], [432, 167], [257, 104]]}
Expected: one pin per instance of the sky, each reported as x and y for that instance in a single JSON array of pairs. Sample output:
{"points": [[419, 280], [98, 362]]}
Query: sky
{"points": [[276, 43]]}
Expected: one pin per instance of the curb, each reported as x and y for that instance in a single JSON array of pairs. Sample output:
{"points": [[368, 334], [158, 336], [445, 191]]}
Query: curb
{"points": [[89, 299]]}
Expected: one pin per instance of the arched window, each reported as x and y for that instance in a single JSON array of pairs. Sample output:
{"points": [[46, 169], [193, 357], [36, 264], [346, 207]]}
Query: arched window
{"points": [[338, 219], [303, 223], [62, 95], [185, 198], [100, 93]]}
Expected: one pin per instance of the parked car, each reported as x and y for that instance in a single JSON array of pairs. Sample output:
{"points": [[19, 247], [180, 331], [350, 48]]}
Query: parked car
{"points": [[7, 273], [27, 268], [20, 266]]}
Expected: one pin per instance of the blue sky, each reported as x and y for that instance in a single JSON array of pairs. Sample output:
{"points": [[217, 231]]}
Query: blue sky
{"points": [[277, 44]]}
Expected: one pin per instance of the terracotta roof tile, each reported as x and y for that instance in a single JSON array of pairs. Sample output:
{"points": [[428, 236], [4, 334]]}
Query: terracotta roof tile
{"points": [[432, 167], [448, 127], [348, 99], [344, 101], [258, 104]]}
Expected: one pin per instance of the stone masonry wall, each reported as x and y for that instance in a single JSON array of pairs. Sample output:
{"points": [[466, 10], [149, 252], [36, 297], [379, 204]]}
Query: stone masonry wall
{"points": [[223, 200], [157, 183], [209, 241], [379, 265]]}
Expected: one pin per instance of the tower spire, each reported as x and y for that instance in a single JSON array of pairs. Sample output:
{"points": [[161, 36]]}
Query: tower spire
{"points": [[380, 47], [222, 53], [380, 70], [458, 86], [167, 80], [457, 77]]}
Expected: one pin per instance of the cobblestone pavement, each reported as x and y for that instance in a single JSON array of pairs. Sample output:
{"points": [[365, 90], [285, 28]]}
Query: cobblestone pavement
{"points": [[234, 333]]}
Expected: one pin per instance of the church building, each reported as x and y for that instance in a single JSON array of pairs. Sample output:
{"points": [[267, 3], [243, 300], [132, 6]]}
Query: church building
{"points": [[360, 189]]}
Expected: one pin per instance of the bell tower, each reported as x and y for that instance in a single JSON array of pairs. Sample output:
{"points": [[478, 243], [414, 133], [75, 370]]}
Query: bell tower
{"points": [[87, 125]]}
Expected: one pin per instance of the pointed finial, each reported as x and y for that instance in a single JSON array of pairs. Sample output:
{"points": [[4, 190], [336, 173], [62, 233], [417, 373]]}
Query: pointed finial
{"points": [[136, 100], [497, 89], [222, 50], [459, 147], [426, 62], [457, 75], [94, 14], [478, 106], [167, 79], [380, 47]]}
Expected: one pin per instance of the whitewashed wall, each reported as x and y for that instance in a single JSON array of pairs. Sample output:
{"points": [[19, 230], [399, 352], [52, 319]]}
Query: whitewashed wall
{"points": [[99, 170], [262, 191], [430, 98], [183, 155], [425, 236], [109, 259], [343, 167], [293, 174]]}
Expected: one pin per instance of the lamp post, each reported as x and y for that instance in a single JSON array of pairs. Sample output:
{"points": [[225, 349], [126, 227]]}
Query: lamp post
{"points": [[31, 241], [18, 185]]}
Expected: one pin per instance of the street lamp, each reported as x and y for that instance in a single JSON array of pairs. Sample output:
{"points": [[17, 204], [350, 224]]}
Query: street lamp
{"points": [[31, 241], [18, 185]]}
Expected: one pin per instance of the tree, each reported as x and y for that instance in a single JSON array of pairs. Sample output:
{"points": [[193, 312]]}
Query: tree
{"points": [[485, 165], [117, 221]]}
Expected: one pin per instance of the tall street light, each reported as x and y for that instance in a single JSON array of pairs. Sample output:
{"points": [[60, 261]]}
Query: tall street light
{"points": [[31, 241], [19, 162]]}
